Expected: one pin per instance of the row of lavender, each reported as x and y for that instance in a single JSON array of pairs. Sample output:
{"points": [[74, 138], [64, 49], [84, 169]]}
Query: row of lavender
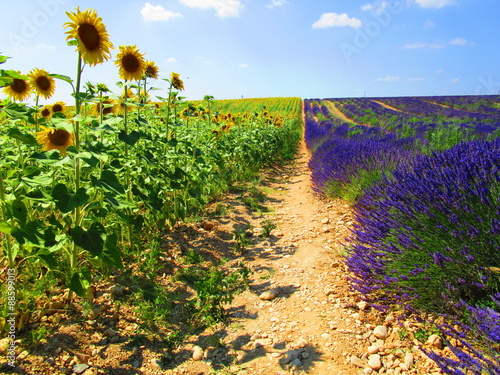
{"points": [[427, 208]]}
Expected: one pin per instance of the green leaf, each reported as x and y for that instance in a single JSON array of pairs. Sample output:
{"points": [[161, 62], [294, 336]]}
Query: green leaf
{"points": [[65, 201], [63, 78], [25, 138], [49, 259], [77, 285], [72, 42], [110, 182], [3, 59], [90, 240], [112, 254], [5, 227], [130, 139], [20, 212]]}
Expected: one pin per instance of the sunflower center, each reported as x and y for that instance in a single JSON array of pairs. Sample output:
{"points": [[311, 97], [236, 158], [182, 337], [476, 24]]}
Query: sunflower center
{"points": [[130, 63], [43, 83], [45, 112], [89, 36], [57, 108], [59, 137], [19, 85]]}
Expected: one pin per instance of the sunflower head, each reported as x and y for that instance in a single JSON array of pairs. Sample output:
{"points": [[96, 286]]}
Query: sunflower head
{"points": [[176, 81], [46, 112], [19, 89], [151, 70], [58, 107], [55, 139], [131, 63], [44, 85], [108, 106], [93, 40]]}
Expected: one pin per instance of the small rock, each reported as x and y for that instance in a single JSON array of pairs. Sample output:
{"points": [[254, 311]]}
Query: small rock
{"points": [[373, 349], [435, 341], [368, 370], [296, 362], [116, 290], [374, 362], [79, 369], [207, 225], [110, 332], [50, 361], [256, 337], [197, 353], [269, 295], [290, 356], [326, 336], [409, 360], [356, 361], [305, 355], [380, 332], [325, 220], [136, 364], [263, 342], [363, 305], [301, 343], [389, 319], [156, 362]]}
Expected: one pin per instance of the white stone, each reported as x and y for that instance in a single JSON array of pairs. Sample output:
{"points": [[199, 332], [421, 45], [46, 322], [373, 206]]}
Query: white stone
{"points": [[374, 362], [269, 295], [197, 353], [380, 332]]}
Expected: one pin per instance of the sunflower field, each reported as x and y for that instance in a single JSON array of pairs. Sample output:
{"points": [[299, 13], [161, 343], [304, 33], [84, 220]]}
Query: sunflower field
{"points": [[83, 186]]}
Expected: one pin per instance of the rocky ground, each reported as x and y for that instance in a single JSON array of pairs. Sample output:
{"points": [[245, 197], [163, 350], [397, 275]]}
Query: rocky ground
{"points": [[297, 316]]}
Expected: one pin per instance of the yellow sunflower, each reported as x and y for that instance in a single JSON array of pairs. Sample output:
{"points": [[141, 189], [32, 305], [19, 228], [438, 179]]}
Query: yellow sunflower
{"points": [[46, 112], [176, 81], [93, 40], [108, 106], [58, 107], [131, 63], [152, 70], [19, 89], [55, 139], [44, 85]]}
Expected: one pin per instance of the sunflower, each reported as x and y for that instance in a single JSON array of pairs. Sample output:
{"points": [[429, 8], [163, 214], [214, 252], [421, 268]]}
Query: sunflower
{"points": [[151, 70], [176, 81], [44, 85], [108, 106], [19, 89], [55, 139], [46, 112], [58, 107], [93, 40], [131, 63]]}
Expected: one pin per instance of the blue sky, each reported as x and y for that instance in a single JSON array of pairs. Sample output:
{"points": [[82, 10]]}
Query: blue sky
{"points": [[267, 48]]}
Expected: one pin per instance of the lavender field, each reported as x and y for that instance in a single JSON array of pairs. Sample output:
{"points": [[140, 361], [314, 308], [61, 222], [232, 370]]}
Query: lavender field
{"points": [[422, 174]]}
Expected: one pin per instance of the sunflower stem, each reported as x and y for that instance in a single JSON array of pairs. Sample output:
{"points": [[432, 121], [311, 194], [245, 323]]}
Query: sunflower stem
{"points": [[10, 256], [77, 211], [127, 170]]}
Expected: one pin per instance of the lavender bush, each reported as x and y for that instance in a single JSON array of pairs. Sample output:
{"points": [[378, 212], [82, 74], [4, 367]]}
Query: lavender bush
{"points": [[431, 228]]}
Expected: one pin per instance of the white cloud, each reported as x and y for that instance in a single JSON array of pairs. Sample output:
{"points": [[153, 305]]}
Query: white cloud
{"points": [[455, 80], [434, 3], [336, 20], [224, 8], [203, 59], [243, 65], [388, 79], [415, 79], [376, 7], [151, 13], [171, 60], [277, 3], [419, 45], [461, 42]]}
